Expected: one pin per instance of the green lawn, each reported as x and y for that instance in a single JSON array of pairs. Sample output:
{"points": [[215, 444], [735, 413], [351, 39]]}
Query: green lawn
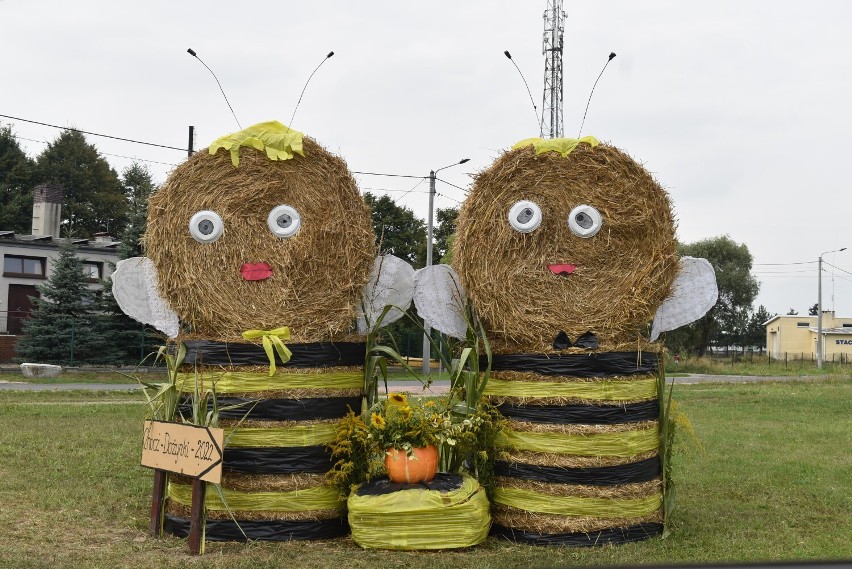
{"points": [[773, 482]]}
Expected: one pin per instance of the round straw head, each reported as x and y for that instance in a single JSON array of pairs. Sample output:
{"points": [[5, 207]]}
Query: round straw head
{"points": [[601, 258], [261, 273]]}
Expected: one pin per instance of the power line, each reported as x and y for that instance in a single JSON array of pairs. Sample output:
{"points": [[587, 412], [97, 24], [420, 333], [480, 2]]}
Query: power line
{"points": [[782, 264], [465, 190], [448, 197], [94, 133], [389, 175], [836, 267], [16, 137]]}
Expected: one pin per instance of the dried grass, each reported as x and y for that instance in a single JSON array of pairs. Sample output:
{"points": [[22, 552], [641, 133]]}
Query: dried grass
{"points": [[252, 424], [317, 275], [570, 461], [532, 376], [299, 393], [572, 429], [264, 369], [523, 520], [623, 273], [262, 482], [621, 492], [182, 511]]}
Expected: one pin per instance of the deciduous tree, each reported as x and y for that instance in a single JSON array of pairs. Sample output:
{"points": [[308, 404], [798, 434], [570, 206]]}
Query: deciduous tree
{"points": [[725, 323], [398, 230]]}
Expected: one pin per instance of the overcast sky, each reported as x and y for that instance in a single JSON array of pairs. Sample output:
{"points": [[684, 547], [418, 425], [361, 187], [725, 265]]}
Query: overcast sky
{"points": [[739, 108]]}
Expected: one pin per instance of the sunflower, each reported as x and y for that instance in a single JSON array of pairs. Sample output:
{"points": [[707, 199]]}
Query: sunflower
{"points": [[377, 421], [397, 398]]}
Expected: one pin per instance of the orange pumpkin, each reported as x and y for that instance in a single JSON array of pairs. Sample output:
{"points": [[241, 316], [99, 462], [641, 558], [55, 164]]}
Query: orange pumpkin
{"points": [[421, 466]]}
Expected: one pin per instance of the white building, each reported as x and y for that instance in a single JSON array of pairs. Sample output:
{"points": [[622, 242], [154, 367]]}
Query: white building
{"points": [[28, 260]]}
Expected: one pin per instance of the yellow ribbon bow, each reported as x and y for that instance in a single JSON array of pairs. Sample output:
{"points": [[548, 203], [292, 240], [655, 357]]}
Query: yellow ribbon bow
{"points": [[272, 339]]}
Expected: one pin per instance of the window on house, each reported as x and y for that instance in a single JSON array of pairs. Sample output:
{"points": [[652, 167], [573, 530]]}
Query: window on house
{"points": [[803, 324], [847, 325], [92, 270], [20, 266]]}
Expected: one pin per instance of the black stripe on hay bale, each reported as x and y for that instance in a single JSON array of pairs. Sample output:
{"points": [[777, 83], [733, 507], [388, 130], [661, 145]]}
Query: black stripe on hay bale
{"points": [[261, 530], [313, 408], [583, 414], [277, 460], [577, 365], [314, 354], [615, 535], [633, 472]]}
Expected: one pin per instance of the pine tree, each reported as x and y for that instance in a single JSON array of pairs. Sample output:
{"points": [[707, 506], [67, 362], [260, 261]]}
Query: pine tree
{"points": [[92, 199], [138, 187], [134, 340], [59, 330], [17, 178]]}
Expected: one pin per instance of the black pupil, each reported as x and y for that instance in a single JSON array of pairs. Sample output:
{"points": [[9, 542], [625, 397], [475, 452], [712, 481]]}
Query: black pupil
{"points": [[205, 226], [284, 220], [525, 215], [584, 220]]}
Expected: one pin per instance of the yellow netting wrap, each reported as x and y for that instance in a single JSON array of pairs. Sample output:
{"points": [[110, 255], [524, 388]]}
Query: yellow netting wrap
{"points": [[278, 141], [299, 436], [247, 382], [625, 444], [599, 390], [571, 506], [563, 146], [318, 498], [421, 519]]}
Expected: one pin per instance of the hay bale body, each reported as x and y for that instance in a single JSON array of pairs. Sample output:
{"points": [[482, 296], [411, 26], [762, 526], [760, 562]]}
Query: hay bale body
{"points": [[623, 273], [275, 463], [574, 470], [317, 274]]}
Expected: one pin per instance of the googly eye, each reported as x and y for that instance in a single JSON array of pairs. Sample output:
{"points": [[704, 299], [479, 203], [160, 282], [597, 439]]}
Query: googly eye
{"points": [[284, 221], [206, 226], [525, 216], [584, 221]]}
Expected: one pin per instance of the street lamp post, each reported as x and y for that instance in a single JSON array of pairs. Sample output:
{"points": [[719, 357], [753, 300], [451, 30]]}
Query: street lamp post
{"points": [[819, 306], [427, 351]]}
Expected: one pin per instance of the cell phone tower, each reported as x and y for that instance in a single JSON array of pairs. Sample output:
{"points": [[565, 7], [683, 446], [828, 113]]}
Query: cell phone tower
{"points": [[554, 27]]}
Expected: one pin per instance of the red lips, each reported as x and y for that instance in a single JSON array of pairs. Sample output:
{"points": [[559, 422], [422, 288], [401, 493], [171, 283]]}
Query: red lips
{"points": [[562, 269], [256, 271]]}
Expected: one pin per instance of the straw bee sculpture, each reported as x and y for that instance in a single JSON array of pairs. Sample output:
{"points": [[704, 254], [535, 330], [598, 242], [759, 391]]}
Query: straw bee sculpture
{"points": [[566, 251], [261, 262]]}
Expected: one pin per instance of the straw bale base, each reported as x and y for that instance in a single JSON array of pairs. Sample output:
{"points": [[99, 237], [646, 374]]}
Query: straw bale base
{"points": [[523, 520]]}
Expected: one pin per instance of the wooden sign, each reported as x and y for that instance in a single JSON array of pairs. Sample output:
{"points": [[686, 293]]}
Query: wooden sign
{"points": [[184, 449]]}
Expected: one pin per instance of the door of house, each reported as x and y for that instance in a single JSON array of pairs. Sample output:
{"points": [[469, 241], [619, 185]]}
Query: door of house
{"points": [[19, 306]]}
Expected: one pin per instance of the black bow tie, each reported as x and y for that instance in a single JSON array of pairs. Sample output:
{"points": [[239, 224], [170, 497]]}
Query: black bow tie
{"points": [[587, 341]]}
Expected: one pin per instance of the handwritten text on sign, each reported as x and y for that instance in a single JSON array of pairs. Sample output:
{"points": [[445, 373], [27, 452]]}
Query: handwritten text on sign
{"points": [[185, 449]]}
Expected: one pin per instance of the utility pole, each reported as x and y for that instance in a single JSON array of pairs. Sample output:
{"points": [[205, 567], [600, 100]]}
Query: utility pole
{"points": [[554, 27], [190, 148], [427, 346], [820, 347]]}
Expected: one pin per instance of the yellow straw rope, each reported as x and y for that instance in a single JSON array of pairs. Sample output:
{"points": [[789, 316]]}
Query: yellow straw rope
{"points": [[318, 498], [247, 382], [600, 390], [625, 444], [299, 436], [571, 506]]}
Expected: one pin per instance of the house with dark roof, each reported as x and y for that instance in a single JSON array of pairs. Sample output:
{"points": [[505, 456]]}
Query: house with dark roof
{"points": [[28, 260]]}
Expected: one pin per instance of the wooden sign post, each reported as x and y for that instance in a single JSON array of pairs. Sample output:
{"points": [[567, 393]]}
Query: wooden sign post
{"points": [[188, 450]]}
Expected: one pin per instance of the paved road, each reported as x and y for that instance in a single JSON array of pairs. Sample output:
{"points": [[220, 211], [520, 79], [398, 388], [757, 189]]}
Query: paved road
{"points": [[437, 388]]}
